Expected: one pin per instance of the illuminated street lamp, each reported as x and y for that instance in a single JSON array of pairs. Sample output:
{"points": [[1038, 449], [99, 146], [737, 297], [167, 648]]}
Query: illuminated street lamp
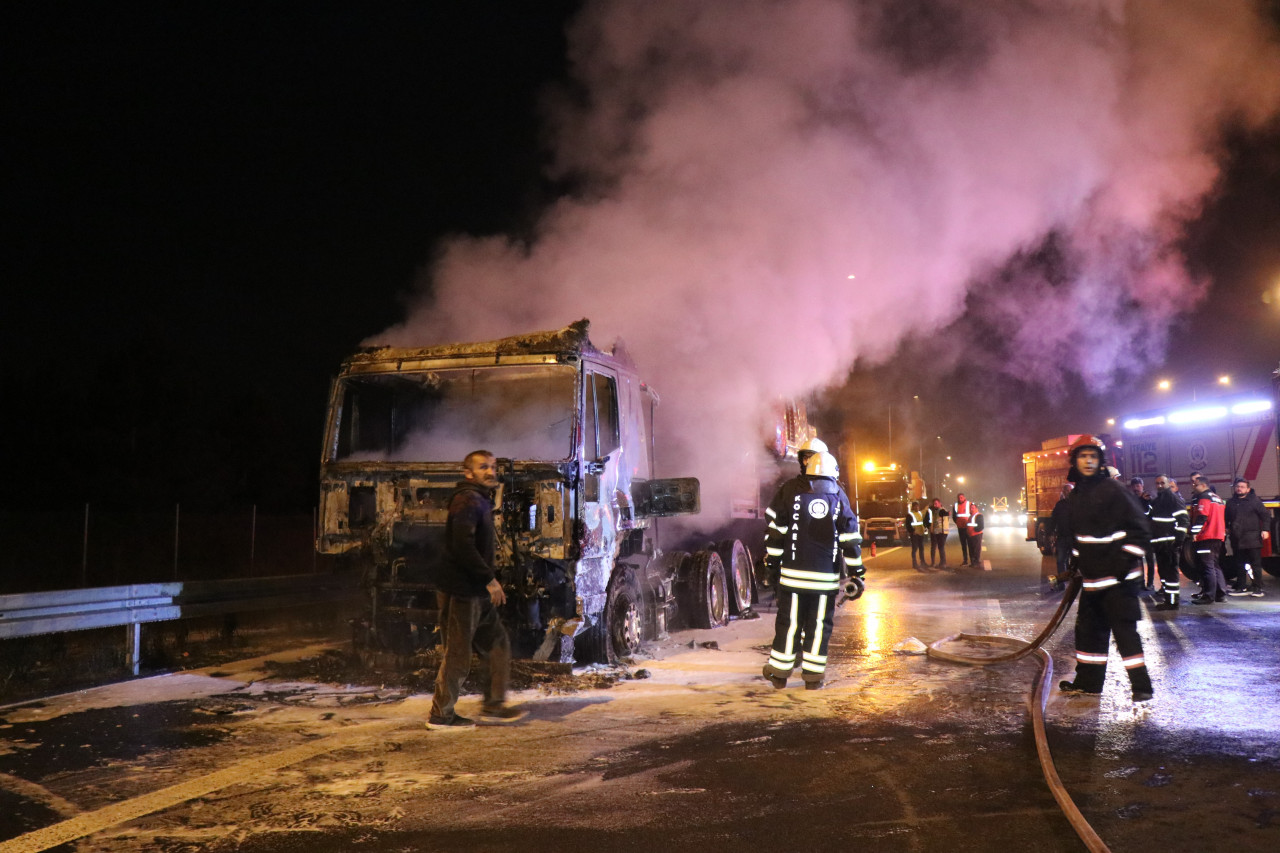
{"points": [[1224, 380], [1164, 384], [960, 479]]}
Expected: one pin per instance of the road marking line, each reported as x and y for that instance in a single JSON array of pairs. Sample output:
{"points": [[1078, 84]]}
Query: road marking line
{"points": [[248, 770]]}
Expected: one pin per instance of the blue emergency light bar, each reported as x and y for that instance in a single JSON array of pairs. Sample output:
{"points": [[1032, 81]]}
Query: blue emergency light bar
{"points": [[1251, 408], [1188, 416], [1201, 414]]}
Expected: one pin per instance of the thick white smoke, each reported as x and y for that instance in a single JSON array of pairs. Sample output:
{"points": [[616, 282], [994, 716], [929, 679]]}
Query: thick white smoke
{"points": [[770, 189]]}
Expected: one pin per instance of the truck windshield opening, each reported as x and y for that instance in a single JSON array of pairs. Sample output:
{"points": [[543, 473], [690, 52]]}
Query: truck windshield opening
{"points": [[517, 412]]}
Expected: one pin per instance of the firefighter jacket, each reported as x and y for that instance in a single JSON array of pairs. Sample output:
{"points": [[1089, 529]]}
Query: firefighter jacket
{"points": [[936, 518], [962, 512], [1168, 518], [1246, 517], [916, 523], [1109, 531], [1208, 516], [812, 539]]}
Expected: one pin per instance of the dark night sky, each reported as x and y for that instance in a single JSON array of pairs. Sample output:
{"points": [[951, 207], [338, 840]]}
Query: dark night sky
{"points": [[221, 200], [209, 204]]}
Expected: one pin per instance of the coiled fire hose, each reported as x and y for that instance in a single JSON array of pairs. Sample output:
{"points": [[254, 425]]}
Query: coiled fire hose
{"points": [[1039, 697]]}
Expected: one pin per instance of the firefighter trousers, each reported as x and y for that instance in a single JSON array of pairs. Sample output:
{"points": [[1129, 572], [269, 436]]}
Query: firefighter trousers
{"points": [[1099, 616], [1167, 562], [801, 633]]}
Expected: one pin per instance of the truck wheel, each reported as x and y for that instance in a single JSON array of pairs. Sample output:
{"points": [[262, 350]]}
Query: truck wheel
{"points": [[624, 617], [1042, 537], [739, 574], [710, 599]]}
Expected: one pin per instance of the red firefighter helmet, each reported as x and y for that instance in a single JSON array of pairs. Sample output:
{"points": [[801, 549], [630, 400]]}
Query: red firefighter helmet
{"points": [[1079, 444], [1087, 440]]}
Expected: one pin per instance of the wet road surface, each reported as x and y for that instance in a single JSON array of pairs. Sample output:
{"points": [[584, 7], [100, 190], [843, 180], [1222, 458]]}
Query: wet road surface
{"points": [[897, 752]]}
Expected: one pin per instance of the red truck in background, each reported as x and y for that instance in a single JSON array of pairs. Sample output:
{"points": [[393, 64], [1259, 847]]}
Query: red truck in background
{"points": [[1045, 471]]}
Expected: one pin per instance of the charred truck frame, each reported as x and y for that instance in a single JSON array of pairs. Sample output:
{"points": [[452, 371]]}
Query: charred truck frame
{"points": [[578, 550]]}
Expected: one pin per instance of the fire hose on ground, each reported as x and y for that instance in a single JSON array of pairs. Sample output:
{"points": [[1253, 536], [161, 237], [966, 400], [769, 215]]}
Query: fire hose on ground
{"points": [[1037, 700]]}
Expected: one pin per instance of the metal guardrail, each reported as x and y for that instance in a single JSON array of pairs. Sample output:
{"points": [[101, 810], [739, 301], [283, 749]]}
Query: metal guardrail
{"points": [[33, 613]]}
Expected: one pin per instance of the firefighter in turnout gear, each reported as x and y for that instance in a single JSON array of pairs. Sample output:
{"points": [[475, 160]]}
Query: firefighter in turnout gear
{"points": [[1110, 534], [811, 545], [1168, 528]]}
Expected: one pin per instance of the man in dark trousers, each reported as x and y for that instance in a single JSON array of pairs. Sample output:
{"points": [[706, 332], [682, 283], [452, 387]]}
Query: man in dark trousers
{"points": [[917, 530], [1208, 530], [811, 543], [469, 594], [1110, 533], [936, 517], [1249, 525], [961, 513], [1168, 528]]}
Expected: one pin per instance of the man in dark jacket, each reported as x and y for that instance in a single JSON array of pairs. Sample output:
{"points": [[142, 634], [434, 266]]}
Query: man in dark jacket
{"points": [[811, 543], [1139, 490], [1060, 535], [1248, 524], [1110, 533], [469, 594]]}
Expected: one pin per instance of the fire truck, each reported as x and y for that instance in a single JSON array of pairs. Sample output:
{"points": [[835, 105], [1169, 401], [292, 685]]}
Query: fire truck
{"points": [[1045, 471], [1222, 438]]}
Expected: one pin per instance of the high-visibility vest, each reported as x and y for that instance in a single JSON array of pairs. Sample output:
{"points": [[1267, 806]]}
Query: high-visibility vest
{"points": [[917, 522]]}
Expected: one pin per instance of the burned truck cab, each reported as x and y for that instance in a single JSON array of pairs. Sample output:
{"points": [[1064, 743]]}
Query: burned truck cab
{"points": [[576, 512]]}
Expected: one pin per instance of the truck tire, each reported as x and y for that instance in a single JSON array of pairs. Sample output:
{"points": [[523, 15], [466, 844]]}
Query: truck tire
{"points": [[624, 617], [709, 594], [1042, 537], [739, 574], [620, 629]]}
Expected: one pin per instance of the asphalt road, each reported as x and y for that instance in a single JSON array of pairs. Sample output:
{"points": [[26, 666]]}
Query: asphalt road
{"points": [[690, 749]]}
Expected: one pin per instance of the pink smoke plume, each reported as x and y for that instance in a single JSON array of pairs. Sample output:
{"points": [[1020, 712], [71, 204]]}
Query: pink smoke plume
{"points": [[769, 191]]}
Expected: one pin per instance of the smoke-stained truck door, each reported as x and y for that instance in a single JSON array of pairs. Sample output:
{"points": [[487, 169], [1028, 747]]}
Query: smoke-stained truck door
{"points": [[598, 460]]}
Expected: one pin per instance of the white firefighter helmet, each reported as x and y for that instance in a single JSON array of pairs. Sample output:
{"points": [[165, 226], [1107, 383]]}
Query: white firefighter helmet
{"points": [[813, 445], [806, 451], [822, 464]]}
